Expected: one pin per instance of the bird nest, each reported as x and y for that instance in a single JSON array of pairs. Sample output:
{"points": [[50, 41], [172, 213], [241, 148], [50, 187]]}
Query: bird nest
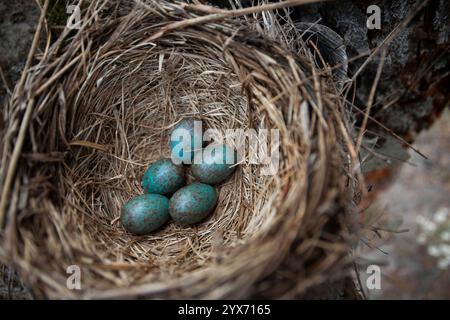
{"points": [[97, 108]]}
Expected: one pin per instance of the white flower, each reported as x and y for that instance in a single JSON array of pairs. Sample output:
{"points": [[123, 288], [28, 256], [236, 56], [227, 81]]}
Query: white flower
{"points": [[422, 238], [441, 215], [444, 263], [445, 250], [421, 220], [445, 236], [433, 251], [430, 227]]}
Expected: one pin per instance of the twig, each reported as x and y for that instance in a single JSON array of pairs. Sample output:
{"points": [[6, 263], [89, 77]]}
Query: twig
{"points": [[56, 76], [388, 130], [370, 100], [386, 157], [5, 80], [34, 45], [215, 15], [358, 278], [25, 121], [389, 230]]}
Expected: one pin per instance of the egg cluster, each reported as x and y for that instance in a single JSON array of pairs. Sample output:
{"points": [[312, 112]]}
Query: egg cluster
{"points": [[167, 194]]}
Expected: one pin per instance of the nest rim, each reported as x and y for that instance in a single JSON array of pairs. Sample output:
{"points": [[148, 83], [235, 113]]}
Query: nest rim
{"points": [[308, 143]]}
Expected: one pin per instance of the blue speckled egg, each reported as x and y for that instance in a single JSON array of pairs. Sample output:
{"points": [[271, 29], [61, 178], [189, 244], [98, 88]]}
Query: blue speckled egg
{"points": [[145, 213], [192, 203], [163, 177], [186, 138], [217, 164]]}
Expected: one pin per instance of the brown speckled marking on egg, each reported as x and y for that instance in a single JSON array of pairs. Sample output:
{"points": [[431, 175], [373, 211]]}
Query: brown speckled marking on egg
{"points": [[163, 177], [192, 204], [145, 213]]}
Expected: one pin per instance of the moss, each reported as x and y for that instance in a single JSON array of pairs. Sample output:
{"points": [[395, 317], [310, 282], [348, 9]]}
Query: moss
{"points": [[57, 13]]}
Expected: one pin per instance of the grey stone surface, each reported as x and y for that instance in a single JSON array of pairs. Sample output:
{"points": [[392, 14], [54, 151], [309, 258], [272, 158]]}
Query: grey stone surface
{"points": [[18, 21], [418, 55]]}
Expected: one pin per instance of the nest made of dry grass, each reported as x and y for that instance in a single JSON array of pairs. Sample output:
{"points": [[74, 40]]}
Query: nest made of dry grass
{"points": [[101, 102]]}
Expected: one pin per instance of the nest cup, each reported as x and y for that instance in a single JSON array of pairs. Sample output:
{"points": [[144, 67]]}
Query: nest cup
{"points": [[119, 86]]}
